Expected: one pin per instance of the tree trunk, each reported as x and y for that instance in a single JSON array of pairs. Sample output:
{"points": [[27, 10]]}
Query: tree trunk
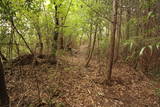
{"points": [[112, 43], [40, 42], [55, 36], [61, 41], [15, 28], [149, 22], [62, 24], [119, 34], [56, 30], [127, 31], [4, 99], [90, 40], [17, 48], [128, 24], [91, 52]]}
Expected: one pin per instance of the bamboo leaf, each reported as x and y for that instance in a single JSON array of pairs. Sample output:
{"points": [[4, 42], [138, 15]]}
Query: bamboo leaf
{"points": [[151, 48], [158, 45], [142, 50], [131, 45]]}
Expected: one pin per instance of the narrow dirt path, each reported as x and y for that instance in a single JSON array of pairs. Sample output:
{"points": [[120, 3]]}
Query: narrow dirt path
{"points": [[83, 87], [80, 86]]}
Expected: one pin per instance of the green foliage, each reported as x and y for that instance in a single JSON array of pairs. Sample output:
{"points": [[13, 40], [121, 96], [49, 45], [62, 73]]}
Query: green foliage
{"points": [[158, 92]]}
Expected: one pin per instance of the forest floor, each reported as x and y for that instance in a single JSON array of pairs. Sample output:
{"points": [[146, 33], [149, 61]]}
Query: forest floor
{"points": [[70, 84]]}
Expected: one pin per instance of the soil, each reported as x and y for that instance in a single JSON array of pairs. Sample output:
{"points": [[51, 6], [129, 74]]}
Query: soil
{"points": [[70, 84]]}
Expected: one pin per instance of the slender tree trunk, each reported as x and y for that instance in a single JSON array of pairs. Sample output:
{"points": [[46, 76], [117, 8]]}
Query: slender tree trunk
{"points": [[108, 30], [91, 52], [62, 24], [149, 22], [98, 45], [81, 42], [61, 40], [138, 26], [48, 40], [10, 45], [118, 33], [112, 43], [15, 28], [56, 32], [39, 34], [53, 59], [40, 41], [127, 30], [128, 24], [90, 40], [17, 48], [4, 99]]}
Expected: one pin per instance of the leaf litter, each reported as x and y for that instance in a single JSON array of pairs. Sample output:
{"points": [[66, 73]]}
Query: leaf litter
{"points": [[72, 85]]}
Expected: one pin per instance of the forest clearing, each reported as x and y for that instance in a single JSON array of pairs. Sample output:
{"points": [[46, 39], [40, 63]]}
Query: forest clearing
{"points": [[79, 53]]}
